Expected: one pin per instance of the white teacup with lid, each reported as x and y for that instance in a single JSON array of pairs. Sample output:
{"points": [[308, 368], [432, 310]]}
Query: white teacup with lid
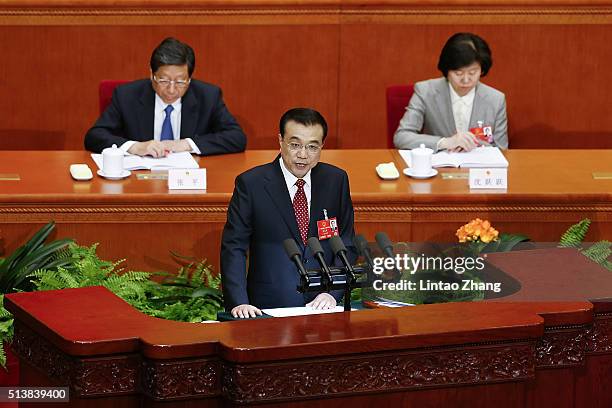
{"points": [[421, 161], [112, 161]]}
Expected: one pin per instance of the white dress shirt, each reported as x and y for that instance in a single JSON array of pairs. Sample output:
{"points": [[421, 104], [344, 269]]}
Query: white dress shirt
{"points": [[159, 115], [290, 179], [462, 108]]}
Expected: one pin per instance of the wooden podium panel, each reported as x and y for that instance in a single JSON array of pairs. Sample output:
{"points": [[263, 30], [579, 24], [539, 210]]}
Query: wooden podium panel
{"points": [[141, 220], [507, 354], [551, 59]]}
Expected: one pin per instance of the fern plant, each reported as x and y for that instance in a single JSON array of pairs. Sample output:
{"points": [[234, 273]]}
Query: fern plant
{"points": [[573, 237], [599, 252], [6, 330], [87, 269], [192, 295]]}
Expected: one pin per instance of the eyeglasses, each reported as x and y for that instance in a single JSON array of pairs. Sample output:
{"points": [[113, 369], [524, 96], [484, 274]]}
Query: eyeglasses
{"points": [[166, 83], [297, 147]]}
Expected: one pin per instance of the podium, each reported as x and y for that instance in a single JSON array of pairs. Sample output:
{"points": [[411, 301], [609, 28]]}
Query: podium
{"points": [[519, 352]]}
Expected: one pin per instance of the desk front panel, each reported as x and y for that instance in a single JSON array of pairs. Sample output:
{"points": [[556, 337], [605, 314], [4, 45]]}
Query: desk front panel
{"points": [[141, 220]]}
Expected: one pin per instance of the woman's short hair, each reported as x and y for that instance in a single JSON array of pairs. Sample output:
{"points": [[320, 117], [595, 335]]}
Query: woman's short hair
{"points": [[463, 49]]}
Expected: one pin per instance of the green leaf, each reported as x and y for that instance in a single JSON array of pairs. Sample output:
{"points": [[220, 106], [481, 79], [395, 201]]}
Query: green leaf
{"points": [[205, 291], [575, 234], [599, 252], [509, 241]]}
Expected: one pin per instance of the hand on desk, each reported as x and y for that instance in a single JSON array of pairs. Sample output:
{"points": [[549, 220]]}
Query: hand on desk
{"points": [[177, 145], [151, 148], [459, 142], [156, 148], [323, 301], [245, 311]]}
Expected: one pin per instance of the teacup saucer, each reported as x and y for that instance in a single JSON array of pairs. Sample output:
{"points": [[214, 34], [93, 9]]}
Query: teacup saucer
{"points": [[408, 172], [123, 174]]}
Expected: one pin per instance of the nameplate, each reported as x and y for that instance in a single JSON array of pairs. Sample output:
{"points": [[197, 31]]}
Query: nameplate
{"points": [[602, 176], [152, 176], [495, 178], [455, 176], [9, 177], [187, 179]]}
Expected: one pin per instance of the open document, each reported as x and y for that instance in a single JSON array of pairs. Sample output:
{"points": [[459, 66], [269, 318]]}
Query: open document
{"points": [[484, 156], [181, 160], [299, 311]]}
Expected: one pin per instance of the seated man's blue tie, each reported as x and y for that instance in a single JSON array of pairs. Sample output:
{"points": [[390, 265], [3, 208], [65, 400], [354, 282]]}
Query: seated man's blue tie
{"points": [[166, 132]]}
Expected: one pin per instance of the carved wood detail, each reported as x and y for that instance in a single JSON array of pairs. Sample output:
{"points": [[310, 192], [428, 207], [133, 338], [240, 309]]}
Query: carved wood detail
{"points": [[86, 376], [181, 379], [106, 375], [599, 336], [378, 373], [42, 354], [381, 372], [561, 347]]}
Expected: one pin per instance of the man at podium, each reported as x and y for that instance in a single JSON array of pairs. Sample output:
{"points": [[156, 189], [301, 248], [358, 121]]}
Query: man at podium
{"points": [[280, 200], [169, 112]]}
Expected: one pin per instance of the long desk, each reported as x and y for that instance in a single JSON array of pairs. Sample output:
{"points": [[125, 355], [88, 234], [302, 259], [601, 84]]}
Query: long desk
{"points": [[519, 352], [350, 51], [141, 221]]}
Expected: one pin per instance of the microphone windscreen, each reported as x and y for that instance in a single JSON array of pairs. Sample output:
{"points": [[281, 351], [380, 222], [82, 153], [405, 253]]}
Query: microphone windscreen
{"points": [[315, 245], [383, 241], [360, 243], [291, 248], [336, 244]]}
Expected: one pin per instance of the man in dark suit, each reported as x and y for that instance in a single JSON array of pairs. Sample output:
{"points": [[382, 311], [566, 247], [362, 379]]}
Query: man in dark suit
{"points": [[170, 112], [280, 200]]}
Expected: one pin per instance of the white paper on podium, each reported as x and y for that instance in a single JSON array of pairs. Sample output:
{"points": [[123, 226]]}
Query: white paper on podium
{"points": [[300, 311], [181, 160]]}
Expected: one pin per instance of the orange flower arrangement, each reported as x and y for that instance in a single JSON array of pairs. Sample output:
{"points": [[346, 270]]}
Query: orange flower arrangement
{"points": [[476, 230]]}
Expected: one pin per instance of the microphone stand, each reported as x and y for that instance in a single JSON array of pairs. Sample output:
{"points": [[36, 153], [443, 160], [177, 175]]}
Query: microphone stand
{"points": [[351, 281], [322, 280]]}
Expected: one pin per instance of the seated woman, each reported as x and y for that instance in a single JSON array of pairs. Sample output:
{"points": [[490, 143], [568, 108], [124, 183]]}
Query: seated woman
{"points": [[457, 112]]}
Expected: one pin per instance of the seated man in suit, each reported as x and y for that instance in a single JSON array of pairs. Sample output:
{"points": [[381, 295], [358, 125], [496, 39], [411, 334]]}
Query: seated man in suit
{"points": [[170, 112], [445, 113], [280, 200]]}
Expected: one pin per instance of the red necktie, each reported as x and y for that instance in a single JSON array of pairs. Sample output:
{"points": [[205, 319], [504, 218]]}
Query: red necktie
{"points": [[300, 206]]}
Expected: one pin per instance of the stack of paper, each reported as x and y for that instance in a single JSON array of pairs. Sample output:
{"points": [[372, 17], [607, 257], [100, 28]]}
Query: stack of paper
{"points": [[182, 160], [484, 156], [299, 311], [390, 303]]}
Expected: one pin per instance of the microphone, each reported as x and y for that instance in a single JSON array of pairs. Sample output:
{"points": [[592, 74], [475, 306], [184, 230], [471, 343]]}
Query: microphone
{"points": [[362, 247], [294, 253], [385, 244], [317, 251], [339, 250]]}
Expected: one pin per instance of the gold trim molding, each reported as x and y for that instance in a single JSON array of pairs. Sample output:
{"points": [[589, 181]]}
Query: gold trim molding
{"points": [[317, 14], [207, 11], [501, 208], [358, 209], [93, 210]]}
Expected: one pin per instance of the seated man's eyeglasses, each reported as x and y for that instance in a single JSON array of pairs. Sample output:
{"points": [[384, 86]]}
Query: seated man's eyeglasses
{"points": [[180, 83], [310, 148]]}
